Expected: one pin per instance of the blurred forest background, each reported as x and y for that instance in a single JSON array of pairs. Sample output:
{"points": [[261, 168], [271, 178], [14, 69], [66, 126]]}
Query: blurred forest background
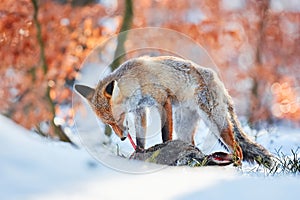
{"points": [[255, 44]]}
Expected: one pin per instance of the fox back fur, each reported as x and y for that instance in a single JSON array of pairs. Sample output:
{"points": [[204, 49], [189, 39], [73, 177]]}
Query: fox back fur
{"points": [[178, 88]]}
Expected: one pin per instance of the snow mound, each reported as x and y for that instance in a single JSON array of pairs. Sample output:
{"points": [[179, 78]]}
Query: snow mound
{"points": [[37, 168]]}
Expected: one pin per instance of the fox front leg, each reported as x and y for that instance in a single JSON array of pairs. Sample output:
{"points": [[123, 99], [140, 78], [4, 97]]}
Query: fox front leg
{"points": [[140, 119], [167, 121]]}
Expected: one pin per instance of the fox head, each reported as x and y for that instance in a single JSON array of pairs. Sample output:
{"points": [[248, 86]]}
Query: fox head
{"points": [[101, 100]]}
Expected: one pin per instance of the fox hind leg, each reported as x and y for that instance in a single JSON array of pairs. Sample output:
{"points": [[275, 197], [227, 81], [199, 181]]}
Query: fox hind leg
{"points": [[228, 138], [213, 101]]}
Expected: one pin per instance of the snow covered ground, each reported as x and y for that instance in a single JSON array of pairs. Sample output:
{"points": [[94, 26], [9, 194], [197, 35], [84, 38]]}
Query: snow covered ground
{"points": [[37, 168]]}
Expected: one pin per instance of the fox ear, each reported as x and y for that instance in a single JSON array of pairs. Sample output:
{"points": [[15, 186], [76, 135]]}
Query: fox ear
{"points": [[117, 94], [85, 91], [109, 89], [116, 91]]}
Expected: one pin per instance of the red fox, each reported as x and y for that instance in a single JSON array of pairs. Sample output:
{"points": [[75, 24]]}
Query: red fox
{"points": [[176, 87]]}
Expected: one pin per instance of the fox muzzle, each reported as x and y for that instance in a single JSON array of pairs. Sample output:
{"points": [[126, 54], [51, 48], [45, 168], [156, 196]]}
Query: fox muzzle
{"points": [[117, 130], [121, 133]]}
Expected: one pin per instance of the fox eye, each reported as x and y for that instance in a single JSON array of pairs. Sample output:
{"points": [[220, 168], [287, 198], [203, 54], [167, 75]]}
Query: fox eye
{"points": [[109, 89]]}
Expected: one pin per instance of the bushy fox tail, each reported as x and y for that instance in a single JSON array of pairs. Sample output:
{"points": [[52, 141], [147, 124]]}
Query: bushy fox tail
{"points": [[251, 150]]}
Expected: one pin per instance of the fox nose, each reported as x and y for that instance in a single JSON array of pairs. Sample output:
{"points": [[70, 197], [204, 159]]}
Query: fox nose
{"points": [[123, 138]]}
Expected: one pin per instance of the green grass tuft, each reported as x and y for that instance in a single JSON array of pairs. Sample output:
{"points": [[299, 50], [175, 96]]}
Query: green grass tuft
{"points": [[283, 165], [286, 164]]}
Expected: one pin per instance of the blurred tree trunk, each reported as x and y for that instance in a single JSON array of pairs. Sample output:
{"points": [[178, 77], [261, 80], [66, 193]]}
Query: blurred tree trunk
{"points": [[257, 109], [126, 24], [120, 49], [56, 129], [78, 2]]}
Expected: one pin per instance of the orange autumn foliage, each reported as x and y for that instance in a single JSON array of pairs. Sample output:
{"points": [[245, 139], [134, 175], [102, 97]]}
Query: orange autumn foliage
{"points": [[69, 34], [232, 35], [252, 43]]}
